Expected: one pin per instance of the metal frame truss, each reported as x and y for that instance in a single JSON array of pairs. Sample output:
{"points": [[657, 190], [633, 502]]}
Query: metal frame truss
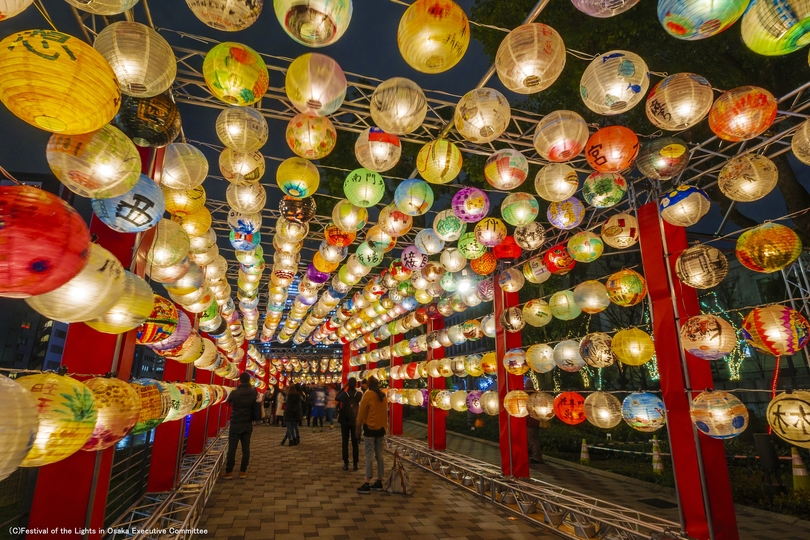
{"points": [[797, 285], [565, 512]]}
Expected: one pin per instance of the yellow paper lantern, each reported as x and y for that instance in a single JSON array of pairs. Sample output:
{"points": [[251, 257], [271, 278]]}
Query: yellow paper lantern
{"points": [[614, 82], [103, 7], [184, 167], [398, 105], [298, 177], [118, 407], [241, 168], [433, 35], [800, 144], [626, 288], [537, 312], [556, 182], [768, 248], [142, 60], [701, 266], [748, 178], [86, 296], [439, 161], [129, 310], [482, 115], [774, 28], [530, 58], [19, 424], [515, 403], [633, 346], [242, 129], [67, 417], [57, 82], [311, 137], [183, 202], [194, 224], [226, 15], [247, 199], [170, 245], [603, 410], [787, 415], [235, 74], [314, 23], [315, 84], [679, 101], [458, 400]]}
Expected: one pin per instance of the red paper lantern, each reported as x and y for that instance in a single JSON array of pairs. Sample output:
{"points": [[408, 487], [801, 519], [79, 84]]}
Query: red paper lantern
{"points": [[338, 237], [44, 242], [485, 264], [570, 407], [612, 149], [742, 113], [412, 370], [558, 260], [508, 249]]}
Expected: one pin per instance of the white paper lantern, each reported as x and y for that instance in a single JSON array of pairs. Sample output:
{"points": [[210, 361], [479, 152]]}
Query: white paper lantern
{"points": [[708, 337], [614, 82], [530, 58], [567, 357], [556, 182], [560, 136], [482, 115], [19, 426], [242, 129], [398, 106], [748, 178]]}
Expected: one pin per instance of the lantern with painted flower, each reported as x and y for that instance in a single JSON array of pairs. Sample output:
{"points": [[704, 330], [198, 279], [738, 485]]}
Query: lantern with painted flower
{"points": [[315, 84], [626, 288], [314, 23], [701, 266], [137, 210], [603, 410], [118, 408], [560, 136], [699, 20], [742, 113], [448, 226], [644, 412], [235, 74], [603, 190], [519, 209], [311, 137], [563, 306], [530, 58], [57, 82], [620, 231], [611, 149], [20, 424], [633, 346], [413, 197], [708, 337], [614, 82], [377, 150], [570, 408], [433, 35], [591, 296], [566, 214], [398, 105], [747, 178], [787, 416], [718, 414], [585, 247], [684, 205], [662, 159], [558, 260], [596, 350], [777, 330], [506, 169], [768, 248]]}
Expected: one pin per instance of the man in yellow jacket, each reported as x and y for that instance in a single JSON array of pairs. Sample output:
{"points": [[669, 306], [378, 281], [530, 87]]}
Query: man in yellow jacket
{"points": [[372, 419]]}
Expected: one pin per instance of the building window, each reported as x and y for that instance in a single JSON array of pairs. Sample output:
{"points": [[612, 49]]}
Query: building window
{"points": [[56, 349], [26, 325], [61, 334]]}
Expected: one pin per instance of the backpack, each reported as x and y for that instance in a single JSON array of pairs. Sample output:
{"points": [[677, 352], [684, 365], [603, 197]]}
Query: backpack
{"points": [[349, 408]]}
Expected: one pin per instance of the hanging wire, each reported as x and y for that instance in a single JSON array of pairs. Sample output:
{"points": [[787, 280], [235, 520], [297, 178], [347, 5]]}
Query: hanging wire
{"points": [[44, 12], [9, 177]]}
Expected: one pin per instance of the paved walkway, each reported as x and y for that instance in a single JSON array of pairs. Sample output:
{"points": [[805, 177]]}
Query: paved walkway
{"points": [[301, 492]]}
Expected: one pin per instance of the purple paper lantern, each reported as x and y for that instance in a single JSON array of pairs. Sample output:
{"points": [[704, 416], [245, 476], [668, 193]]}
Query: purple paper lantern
{"points": [[413, 345], [474, 401], [470, 204], [315, 275], [177, 337], [485, 290], [425, 398], [433, 311], [413, 259]]}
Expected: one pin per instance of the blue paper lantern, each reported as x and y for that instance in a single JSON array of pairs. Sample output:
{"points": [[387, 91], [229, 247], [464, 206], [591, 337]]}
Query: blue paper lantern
{"points": [[413, 197], [644, 412], [245, 242], [137, 210]]}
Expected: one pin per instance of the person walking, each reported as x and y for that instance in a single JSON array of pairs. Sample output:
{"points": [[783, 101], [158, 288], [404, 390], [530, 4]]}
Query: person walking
{"points": [[268, 407], [318, 399], [372, 418], [331, 405], [242, 400], [292, 415], [349, 400]]}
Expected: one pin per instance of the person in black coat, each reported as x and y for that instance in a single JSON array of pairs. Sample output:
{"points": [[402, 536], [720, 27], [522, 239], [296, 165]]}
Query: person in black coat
{"points": [[349, 400], [293, 413], [243, 401]]}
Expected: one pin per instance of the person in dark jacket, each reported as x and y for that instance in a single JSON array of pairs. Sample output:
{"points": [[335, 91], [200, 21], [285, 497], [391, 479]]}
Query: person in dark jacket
{"points": [[349, 400], [243, 401], [293, 413]]}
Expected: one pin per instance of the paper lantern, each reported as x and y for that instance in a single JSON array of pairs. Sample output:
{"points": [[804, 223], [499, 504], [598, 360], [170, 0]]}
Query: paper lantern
{"points": [[768, 248], [427, 242], [620, 231], [560, 136], [626, 288], [787, 415], [585, 247], [57, 82], [598, 8], [433, 35], [244, 242], [162, 322], [596, 350], [773, 29], [394, 222], [298, 177], [184, 167], [67, 417], [131, 309], [540, 406], [235, 74], [8, 9], [184, 201], [633, 346], [470, 204], [511, 280], [684, 206], [777, 330], [540, 357], [242, 129], [506, 169], [226, 15], [379, 240], [44, 242], [693, 20], [473, 402], [349, 217], [603, 410], [563, 306], [512, 320], [519, 209], [398, 106], [470, 247], [364, 188], [137, 210], [482, 115], [195, 224], [315, 84], [570, 408], [718, 414], [472, 365], [249, 198], [566, 356], [515, 403], [663, 159], [800, 143], [644, 412], [701, 266], [614, 82], [535, 270], [88, 294], [488, 324], [747, 178], [458, 401], [485, 264], [413, 197], [439, 161], [566, 214], [150, 122], [377, 150], [298, 210], [118, 409], [490, 403], [314, 23], [591, 297], [708, 337], [453, 260], [603, 190], [537, 312], [19, 425], [170, 245], [530, 58], [490, 231], [558, 260], [530, 236], [311, 137], [612, 149], [142, 60], [679, 101], [448, 226], [514, 360], [742, 113]]}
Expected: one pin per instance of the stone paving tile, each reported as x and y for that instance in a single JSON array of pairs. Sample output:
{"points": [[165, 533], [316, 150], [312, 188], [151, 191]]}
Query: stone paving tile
{"points": [[301, 492]]}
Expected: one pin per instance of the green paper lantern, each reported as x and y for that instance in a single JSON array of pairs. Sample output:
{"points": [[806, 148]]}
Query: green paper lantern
{"points": [[367, 256], [364, 188], [585, 247], [519, 209], [470, 247], [603, 190]]}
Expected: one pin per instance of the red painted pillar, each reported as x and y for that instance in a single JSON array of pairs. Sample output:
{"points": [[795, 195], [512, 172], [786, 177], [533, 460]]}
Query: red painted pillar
{"points": [[347, 366], [513, 440], [699, 462], [165, 466], [214, 412], [225, 410], [437, 418], [395, 412], [198, 430]]}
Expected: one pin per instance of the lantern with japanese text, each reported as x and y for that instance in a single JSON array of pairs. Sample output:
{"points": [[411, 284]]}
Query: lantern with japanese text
{"points": [[470, 247], [490, 231], [787, 416], [570, 408], [708, 337], [611, 149], [433, 35], [137, 210], [530, 58], [614, 82], [620, 231], [566, 214], [603, 410], [364, 188], [644, 412], [679, 101], [768, 248]]}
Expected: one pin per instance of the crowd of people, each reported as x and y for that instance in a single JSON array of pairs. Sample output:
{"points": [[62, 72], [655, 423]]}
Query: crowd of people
{"points": [[362, 414]]}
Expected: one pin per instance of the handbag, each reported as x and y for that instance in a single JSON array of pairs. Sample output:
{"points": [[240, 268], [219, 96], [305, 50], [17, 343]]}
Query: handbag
{"points": [[398, 480]]}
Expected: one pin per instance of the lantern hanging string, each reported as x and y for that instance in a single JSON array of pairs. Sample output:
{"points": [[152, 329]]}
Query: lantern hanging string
{"points": [[44, 12], [8, 176], [740, 231], [482, 25]]}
